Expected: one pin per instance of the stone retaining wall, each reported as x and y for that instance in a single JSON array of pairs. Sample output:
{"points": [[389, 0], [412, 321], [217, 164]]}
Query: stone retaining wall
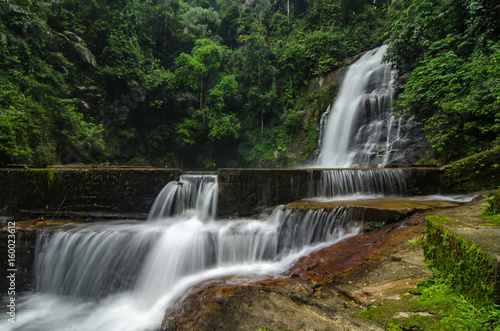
{"points": [[473, 269], [242, 192], [245, 192], [95, 190]]}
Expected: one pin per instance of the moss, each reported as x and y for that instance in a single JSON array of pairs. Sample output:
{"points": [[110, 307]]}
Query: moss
{"points": [[472, 271], [443, 219], [476, 173], [434, 305], [82, 189], [492, 220]]}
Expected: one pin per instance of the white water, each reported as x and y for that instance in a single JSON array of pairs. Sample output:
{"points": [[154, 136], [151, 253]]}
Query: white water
{"points": [[192, 194], [337, 183], [359, 128], [124, 275]]}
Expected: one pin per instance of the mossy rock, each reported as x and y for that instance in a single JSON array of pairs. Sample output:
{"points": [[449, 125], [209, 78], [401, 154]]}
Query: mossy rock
{"points": [[478, 172], [473, 272]]}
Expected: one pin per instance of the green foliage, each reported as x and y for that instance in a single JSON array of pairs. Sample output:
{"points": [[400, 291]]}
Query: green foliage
{"points": [[454, 89], [492, 204], [201, 22], [189, 132], [434, 305], [175, 81]]}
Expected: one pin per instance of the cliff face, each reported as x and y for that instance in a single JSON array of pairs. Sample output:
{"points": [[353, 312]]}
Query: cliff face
{"points": [[332, 78]]}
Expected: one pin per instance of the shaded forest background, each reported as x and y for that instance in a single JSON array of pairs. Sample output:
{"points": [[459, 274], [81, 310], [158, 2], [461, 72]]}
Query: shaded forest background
{"points": [[220, 83]]}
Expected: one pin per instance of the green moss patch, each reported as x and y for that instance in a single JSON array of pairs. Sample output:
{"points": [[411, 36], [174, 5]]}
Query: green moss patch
{"points": [[472, 272], [434, 305], [491, 220], [478, 172]]}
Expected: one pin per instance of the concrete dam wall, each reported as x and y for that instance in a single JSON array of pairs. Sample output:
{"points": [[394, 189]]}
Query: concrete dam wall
{"points": [[242, 192]]}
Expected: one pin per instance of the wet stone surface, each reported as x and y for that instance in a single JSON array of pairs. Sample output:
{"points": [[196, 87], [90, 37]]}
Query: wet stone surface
{"points": [[321, 291]]}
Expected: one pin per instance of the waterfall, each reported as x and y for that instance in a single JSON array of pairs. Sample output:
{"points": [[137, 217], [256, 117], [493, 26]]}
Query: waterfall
{"points": [[359, 128], [92, 261], [300, 229], [342, 182], [123, 275], [193, 193]]}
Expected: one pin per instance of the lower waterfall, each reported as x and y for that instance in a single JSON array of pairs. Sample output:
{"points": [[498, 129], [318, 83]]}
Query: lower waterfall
{"points": [[123, 275]]}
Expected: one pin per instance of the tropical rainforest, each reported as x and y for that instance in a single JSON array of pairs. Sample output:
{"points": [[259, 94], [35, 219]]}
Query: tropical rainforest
{"points": [[224, 83]]}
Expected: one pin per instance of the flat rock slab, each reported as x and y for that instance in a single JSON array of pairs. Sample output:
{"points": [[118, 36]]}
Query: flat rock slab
{"points": [[389, 204], [466, 221], [375, 210]]}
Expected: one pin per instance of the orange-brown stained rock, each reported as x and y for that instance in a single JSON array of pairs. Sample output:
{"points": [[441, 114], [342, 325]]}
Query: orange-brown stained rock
{"points": [[325, 265], [386, 204]]}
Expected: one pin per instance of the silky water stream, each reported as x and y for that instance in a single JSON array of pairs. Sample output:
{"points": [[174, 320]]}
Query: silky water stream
{"points": [[123, 275]]}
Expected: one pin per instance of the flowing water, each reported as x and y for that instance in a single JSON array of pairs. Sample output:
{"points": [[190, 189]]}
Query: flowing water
{"points": [[337, 183], [123, 275], [360, 129]]}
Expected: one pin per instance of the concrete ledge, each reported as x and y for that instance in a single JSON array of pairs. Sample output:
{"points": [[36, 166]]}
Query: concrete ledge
{"points": [[475, 173], [375, 212], [244, 192], [466, 249], [96, 190]]}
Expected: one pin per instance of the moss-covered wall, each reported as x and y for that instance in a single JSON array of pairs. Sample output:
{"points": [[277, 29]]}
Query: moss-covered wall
{"points": [[476, 173], [247, 192], [474, 272], [127, 191], [241, 191]]}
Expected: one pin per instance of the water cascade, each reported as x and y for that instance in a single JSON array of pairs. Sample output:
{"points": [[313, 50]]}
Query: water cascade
{"points": [[359, 129], [389, 182], [300, 229], [192, 193], [123, 275]]}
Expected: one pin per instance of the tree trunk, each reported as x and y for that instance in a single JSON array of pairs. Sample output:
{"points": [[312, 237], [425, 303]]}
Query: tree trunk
{"points": [[201, 95]]}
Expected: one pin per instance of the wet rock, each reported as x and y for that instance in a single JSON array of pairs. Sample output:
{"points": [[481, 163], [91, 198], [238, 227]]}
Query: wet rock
{"points": [[322, 291]]}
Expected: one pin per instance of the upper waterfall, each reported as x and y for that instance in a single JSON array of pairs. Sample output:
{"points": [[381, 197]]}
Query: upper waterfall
{"points": [[360, 127]]}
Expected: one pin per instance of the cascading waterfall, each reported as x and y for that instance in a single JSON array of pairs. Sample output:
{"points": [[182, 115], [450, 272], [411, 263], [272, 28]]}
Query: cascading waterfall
{"points": [[193, 193], [345, 182], [300, 229], [123, 275], [92, 261], [359, 128]]}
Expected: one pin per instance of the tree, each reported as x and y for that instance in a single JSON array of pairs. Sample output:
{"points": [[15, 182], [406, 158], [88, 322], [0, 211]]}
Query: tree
{"points": [[222, 122], [197, 69]]}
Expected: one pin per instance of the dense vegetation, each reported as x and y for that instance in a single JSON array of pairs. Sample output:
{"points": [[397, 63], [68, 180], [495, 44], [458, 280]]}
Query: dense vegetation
{"points": [[168, 82], [453, 51], [223, 83]]}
